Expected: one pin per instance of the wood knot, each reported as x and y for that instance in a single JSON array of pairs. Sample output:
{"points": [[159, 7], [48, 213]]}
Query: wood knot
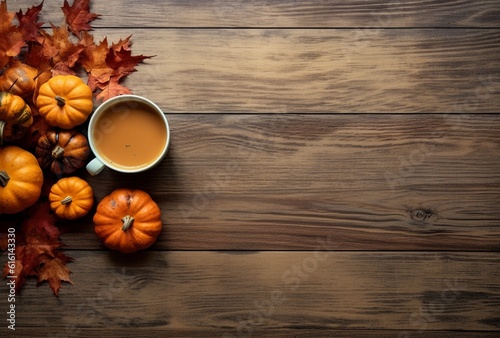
{"points": [[422, 215]]}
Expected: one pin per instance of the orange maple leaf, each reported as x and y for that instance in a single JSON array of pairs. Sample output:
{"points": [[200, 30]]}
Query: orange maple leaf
{"points": [[11, 37], [111, 89], [107, 65], [60, 49], [94, 61], [54, 270], [78, 16]]}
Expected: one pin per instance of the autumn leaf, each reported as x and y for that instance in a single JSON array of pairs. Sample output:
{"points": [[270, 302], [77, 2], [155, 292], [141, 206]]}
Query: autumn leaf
{"points": [[122, 44], [111, 89], [78, 16], [11, 37], [61, 53], [37, 245], [54, 270], [94, 61], [28, 23], [35, 56], [58, 47], [106, 66], [123, 62]]}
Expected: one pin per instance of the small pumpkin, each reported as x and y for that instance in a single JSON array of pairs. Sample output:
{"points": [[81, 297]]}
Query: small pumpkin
{"points": [[71, 197], [127, 220], [21, 179], [18, 78], [15, 117], [62, 151], [65, 101]]}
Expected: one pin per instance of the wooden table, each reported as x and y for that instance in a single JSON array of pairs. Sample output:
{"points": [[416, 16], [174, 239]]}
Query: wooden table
{"points": [[334, 171]]}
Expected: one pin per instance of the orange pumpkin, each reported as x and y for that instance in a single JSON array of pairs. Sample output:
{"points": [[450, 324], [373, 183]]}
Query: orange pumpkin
{"points": [[127, 220], [71, 197], [21, 179], [18, 79], [63, 151], [65, 101], [15, 117]]}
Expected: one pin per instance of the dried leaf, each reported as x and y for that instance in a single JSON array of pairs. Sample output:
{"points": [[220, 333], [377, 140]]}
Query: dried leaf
{"points": [[106, 66], [11, 37], [94, 60], [36, 244], [111, 89], [78, 16], [28, 23], [54, 270], [60, 49], [123, 62]]}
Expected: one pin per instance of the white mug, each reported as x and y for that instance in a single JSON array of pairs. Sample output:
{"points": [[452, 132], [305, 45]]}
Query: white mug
{"points": [[101, 129]]}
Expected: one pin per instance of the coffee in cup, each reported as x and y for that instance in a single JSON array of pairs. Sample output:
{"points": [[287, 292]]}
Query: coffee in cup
{"points": [[127, 133]]}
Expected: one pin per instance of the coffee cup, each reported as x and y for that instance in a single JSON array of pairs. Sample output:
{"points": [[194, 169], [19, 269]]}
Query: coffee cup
{"points": [[127, 133]]}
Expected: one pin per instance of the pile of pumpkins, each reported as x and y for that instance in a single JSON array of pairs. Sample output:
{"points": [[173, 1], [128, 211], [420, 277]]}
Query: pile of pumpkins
{"points": [[127, 220]]}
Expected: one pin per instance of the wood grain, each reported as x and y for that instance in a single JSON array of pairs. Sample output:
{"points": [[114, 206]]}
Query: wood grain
{"points": [[314, 71], [369, 182], [328, 133], [154, 332], [285, 291], [268, 13]]}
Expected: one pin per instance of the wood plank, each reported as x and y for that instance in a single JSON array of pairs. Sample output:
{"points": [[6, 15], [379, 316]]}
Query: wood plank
{"points": [[367, 182], [269, 13], [315, 71], [153, 332], [288, 291]]}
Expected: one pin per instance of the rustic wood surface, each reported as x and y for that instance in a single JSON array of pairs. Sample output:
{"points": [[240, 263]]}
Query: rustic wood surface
{"points": [[334, 171]]}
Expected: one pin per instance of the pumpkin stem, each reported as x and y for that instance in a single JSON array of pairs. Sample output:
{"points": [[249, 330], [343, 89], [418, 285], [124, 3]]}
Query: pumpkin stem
{"points": [[4, 178], [66, 200], [57, 152], [60, 101], [2, 127], [127, 222]]}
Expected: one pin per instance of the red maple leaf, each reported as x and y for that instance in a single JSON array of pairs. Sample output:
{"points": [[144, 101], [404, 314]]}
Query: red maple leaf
{"points": [[28, 23], [37, 250], [78, 16], [120, 58]]}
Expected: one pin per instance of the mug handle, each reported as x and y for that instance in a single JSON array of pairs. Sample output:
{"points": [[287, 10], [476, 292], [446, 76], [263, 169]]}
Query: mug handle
{"points": [[95, 166]]}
